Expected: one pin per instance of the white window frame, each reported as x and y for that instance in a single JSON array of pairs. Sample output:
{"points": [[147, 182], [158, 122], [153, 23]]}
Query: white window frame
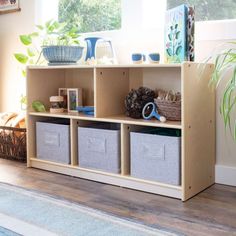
{"points": [[133, 18]]}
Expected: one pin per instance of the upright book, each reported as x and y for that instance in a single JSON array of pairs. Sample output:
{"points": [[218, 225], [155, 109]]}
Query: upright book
{"points": [[176, 35]]}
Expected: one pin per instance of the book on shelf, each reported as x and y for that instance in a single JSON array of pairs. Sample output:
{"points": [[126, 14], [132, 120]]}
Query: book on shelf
{"points": [[179, 34]]}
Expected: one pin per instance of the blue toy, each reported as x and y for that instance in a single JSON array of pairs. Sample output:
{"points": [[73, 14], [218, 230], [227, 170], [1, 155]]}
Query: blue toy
{"points": [[87, 110], [150, 111]]}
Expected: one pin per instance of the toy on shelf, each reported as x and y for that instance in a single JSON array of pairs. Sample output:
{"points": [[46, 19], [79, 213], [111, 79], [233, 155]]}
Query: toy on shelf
{"points": [[150, 111], [38, 106], [169, 104], [136, 100], [87, 110], [63, 92], [56, 103]]}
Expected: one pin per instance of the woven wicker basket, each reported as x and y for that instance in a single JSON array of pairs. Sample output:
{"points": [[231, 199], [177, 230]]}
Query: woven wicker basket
{"points": [[170, 109], [13, 143]]}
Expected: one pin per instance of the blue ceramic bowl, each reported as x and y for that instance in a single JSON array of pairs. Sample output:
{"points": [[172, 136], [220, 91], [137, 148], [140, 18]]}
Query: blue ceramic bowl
{"points": [[154, 57], [62, 54], [138, 57]]}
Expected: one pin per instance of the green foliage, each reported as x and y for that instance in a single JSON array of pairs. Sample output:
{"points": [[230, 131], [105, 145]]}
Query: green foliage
{"points": [[51, 33], [38, 106], [225, 61], [55, 33], [22, 58], [91, 15], [26, 39], [23, 100], [209, 9]]}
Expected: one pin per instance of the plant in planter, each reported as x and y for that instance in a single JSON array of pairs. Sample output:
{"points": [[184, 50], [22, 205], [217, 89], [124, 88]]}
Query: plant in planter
{"points": [[225, 61], [56, 41], [60, 44]]}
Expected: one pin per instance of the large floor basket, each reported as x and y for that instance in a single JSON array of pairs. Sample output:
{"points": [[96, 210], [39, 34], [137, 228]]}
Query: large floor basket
{"points": [[13, 143]]}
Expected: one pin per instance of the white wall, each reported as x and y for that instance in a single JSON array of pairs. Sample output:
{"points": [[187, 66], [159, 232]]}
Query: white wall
{"points": [[225, 145], [135, 37], [12, 85]]}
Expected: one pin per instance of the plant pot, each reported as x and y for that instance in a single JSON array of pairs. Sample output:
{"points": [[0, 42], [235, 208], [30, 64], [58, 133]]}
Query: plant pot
{"points": [[62, 54]]}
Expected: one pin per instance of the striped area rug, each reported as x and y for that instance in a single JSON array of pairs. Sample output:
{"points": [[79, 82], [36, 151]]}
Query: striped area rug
{"points": [[24, 212]]}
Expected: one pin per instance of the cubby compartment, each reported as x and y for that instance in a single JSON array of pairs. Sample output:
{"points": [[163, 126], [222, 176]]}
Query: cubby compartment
{"points": [[99, 146], [53, 140], [46, 82], [114, 84], [155, 154]]}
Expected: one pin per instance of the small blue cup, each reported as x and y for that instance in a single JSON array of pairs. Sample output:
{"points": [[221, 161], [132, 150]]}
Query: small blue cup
{"points": [[138, 58], [154, 57]]}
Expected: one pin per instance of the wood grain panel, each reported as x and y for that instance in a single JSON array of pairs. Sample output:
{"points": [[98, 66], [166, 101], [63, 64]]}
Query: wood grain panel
{"points": [[112, 86], [198, 119]]}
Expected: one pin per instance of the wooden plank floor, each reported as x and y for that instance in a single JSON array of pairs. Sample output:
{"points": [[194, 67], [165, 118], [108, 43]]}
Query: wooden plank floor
{"points": [[212, 212]]}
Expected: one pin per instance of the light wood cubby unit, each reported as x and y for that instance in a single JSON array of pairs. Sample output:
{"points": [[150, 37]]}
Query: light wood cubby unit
{"points": [[105, 87]]}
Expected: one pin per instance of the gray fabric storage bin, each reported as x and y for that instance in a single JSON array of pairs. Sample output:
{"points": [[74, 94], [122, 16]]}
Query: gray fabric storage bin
{"points": [[99, 147], [156, 157], [53, 142]]}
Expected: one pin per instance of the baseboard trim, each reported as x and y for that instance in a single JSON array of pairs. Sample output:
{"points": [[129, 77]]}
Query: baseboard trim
{"points": [[225, 175]]}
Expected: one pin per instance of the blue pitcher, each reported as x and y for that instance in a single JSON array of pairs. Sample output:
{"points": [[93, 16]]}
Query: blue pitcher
{"points": [[92, 44]]}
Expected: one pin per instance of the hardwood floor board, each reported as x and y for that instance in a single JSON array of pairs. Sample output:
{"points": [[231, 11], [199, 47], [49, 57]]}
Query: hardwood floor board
{"points": [[212, 212]]}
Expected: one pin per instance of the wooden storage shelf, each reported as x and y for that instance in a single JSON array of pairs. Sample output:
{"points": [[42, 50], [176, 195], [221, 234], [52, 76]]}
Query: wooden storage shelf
{"points": [[105, 88]]}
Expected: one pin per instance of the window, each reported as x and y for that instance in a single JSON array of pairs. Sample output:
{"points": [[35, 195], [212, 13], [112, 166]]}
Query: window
{"points": [[209, 9], [91, 15]]}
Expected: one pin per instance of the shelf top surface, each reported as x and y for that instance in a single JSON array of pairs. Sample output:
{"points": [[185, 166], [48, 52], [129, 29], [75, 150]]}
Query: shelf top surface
{"points": [[113, 119], [81, 66]]}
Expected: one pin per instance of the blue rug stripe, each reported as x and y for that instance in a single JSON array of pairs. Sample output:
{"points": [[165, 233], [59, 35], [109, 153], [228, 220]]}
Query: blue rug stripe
{"points": [[7, 232], [64, 218]]}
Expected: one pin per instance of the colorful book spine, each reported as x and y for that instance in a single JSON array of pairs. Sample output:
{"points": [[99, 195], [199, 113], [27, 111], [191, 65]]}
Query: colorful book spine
{"points": [[190, 33]]}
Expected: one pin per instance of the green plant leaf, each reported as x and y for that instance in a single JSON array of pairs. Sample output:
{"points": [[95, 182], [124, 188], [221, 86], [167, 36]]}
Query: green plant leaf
{"points": [[26, 39], [23, 72], [22, 58], [31, 61], [38, 106], [48, 23], [23, 100], [34, 34], [40, 27], [76, 42], [225, 63], [30, 52]]}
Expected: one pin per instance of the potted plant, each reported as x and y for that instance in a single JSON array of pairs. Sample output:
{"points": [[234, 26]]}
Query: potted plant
{"points": [[56, 41], [225, 62]]}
